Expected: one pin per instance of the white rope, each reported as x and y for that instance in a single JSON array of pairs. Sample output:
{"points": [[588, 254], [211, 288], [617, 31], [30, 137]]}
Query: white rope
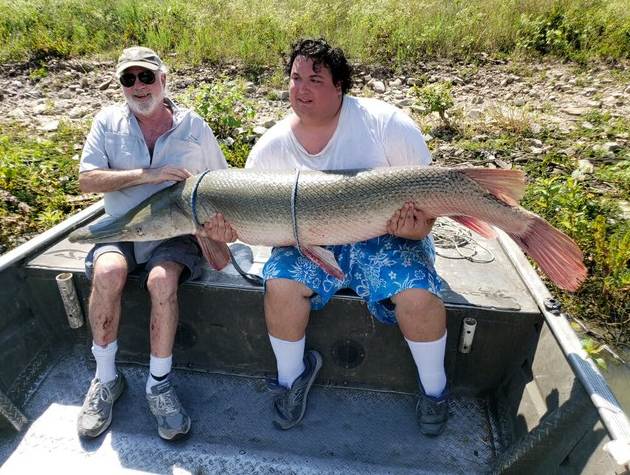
{"points": [[453, 241]]}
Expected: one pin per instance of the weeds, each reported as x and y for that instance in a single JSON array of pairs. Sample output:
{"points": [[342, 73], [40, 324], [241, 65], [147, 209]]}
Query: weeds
{"points": [[223, 106], [435, 99], [515, 120], [570, 206], [593, 349], [37, 180], [611, 256], [384, 31]]}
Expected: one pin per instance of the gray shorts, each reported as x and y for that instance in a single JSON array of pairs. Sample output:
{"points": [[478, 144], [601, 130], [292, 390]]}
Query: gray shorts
{"points": [[182, 249]]}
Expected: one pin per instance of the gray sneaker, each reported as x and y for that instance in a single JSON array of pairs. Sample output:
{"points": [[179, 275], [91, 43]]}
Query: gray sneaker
{"points": [[289, 405], [96, 413], [172, 420], [432, 412]]}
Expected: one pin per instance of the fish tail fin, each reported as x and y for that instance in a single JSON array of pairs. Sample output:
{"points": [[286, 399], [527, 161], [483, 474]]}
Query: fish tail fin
{"points": [[324, 259], [555, 253], [507, 185], [216, 253]]}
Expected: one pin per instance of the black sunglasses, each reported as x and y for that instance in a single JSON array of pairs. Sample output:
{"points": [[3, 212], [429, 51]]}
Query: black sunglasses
{"points": [[145, 77]]}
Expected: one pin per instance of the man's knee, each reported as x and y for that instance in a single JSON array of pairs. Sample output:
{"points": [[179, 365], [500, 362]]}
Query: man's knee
{"points": [[110, 271], [284, 289], [419, 301], [163, 279]]}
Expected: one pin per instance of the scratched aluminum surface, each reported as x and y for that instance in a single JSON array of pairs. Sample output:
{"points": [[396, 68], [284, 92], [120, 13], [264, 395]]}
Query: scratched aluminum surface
{"points": [[345, 431]]}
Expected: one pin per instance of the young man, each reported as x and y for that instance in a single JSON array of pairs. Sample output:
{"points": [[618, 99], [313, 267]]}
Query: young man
{"points": [[330, 130], [132, 151]]}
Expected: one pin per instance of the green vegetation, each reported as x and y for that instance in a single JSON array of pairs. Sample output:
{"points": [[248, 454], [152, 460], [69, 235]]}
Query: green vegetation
{"points": [[38, 172], [593, 349], [435, 99], [38, 183], [395, 31], [229, 114]]}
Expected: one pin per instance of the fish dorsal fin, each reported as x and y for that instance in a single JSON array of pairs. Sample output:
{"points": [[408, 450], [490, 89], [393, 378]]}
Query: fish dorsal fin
{"points": [[216, 253], [480, 227], [324, 259], [507, 185]]}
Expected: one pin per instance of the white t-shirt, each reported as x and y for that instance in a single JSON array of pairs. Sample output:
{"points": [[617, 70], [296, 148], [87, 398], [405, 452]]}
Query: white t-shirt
{"points": [[370, 134]]}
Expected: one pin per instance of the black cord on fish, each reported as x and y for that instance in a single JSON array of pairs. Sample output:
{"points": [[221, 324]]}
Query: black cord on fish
{"points": [[251, 278], [193, 198], [294, 193]]}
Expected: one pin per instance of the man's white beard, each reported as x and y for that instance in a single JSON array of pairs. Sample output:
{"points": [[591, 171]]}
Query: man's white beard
{"points": [[144, 107]]}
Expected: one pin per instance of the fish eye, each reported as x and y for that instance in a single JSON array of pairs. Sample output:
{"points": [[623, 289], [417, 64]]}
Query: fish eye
{"points": [[138, 231]]}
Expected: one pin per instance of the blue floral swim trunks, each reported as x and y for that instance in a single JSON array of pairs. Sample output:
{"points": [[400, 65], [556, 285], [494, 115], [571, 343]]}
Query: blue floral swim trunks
{"points": [[375, 269]]}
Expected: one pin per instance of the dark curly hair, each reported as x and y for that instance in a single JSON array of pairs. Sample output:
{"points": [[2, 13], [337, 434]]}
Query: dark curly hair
{"points": [[322, 53]]}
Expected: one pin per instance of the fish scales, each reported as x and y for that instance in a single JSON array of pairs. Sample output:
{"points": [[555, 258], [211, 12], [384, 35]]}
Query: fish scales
{"points": [[335, 208]]}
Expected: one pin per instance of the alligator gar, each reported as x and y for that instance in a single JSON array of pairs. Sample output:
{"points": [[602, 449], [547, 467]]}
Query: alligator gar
{"points": [[309, 209]]}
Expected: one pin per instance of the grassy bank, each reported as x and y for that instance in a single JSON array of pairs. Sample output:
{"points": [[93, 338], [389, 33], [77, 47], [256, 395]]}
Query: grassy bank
{"points": [[378, 31]]}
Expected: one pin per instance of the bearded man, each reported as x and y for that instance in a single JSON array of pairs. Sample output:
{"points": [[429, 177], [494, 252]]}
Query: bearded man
{"points": [[132, 151]]}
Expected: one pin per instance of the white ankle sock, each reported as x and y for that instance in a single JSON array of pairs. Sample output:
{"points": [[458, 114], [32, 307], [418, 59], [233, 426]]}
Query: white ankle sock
{"points": [[429, 358], [289, 359], [158, 367], [105, 361]]}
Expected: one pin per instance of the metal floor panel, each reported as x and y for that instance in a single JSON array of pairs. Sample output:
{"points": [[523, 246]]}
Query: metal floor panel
{"points": [[345, 431]]}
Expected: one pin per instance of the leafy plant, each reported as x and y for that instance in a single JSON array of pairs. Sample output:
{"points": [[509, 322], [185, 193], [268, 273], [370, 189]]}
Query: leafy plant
{"points": [[37, 179], [39, 73], [612, 256], [593, 350], [435, 99], [563, 201], [223, 105]]}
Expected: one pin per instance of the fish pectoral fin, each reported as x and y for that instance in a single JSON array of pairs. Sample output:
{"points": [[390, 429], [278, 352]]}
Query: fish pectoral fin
{"points": [[216, 253], [480, 227], [324, 259]]}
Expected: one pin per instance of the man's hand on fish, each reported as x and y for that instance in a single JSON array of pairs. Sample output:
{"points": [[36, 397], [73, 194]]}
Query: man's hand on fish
{"points": [[218, 229], [166, 173], [410, 222]]}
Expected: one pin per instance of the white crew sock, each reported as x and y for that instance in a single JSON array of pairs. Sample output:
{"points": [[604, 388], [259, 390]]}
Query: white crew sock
{"points": [[429, 358], [105, 361], [159, 368], [289, 359]]}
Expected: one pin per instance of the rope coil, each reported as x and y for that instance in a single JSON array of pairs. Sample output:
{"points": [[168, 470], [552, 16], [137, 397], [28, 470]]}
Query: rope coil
{"points": [[449, 235]]}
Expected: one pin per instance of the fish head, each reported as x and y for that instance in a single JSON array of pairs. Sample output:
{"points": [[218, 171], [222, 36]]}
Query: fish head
{"points": [[158, 217]]}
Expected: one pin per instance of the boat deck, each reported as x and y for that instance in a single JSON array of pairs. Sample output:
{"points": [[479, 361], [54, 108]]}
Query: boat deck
{"points": [[360, 417], [345, 430]]}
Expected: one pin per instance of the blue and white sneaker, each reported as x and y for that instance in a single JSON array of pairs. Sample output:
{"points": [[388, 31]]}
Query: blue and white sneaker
{"points": [[289, 405]]}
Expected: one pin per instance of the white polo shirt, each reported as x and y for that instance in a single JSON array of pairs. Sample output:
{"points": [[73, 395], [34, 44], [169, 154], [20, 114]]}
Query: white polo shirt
{"points": [[116, 142]]}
